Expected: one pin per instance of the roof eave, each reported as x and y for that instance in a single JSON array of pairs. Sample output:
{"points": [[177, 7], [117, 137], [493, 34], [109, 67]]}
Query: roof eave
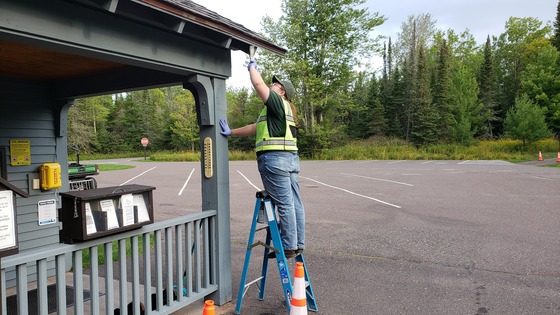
{"points": [[241, 37]]}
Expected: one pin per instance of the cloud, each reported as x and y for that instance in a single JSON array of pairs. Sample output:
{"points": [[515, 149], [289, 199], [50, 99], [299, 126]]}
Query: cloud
{"points": [[480, 17]]}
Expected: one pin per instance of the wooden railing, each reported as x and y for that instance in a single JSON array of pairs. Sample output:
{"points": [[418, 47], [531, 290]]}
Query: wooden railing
{"points": [[168, 256]]}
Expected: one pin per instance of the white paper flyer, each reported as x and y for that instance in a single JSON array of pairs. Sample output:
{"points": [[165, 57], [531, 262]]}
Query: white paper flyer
{"points": [[47, 211], [7, 220], [109, 207], [139, 202], [127, 206], [90, 221]]}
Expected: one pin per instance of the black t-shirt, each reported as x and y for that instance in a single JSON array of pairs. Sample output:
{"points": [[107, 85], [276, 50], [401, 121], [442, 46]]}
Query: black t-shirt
{"points": [[276, 117]]}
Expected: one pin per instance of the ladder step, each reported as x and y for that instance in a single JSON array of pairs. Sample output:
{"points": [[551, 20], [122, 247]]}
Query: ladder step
{"points": [[262, 228], [256, 280]]}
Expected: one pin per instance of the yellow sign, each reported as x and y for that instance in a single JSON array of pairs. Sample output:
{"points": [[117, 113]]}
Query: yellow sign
{"points": [[20, 152]]}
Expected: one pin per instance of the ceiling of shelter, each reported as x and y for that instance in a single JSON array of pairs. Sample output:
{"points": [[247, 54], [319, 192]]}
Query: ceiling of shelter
{"points": [[183, 17], [34, 63]]}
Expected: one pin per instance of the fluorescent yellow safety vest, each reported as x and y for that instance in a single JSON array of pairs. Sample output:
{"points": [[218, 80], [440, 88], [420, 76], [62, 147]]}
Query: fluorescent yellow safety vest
{"points": [[265, 142]]}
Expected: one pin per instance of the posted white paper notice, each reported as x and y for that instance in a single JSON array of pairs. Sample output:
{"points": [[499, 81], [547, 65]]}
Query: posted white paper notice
{"points": [[7, 220], [127, 204], [47, 211], [109, 207], [90, 221], [139, 202]]}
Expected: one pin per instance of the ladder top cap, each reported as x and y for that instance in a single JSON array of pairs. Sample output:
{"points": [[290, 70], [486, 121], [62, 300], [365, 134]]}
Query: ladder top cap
{"points": [[262, 194]]}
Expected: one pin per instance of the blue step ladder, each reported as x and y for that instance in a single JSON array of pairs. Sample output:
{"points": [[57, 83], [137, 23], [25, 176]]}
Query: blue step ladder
{"points": [[265, 216]]}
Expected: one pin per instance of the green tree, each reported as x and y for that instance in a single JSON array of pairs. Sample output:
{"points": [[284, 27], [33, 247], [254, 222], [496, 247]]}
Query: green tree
{"points": [[487, 92], [377, 122], [541, 80], [151, 110], [415, 30], [357, 120], [510, 61], [326, 41], [387, 86], [394, 109], [425, 117], [410, 67], [441, 96], [121, 125], [556, 37], [86, 122], [526, 121], [243, 108], [182, 126], [466, 107]]}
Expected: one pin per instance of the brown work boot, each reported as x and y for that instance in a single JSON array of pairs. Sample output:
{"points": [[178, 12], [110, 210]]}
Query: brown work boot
{"points": [[288, 253]]}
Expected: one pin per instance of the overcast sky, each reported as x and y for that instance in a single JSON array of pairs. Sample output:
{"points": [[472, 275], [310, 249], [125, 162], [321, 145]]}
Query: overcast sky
{"points": [[480, 17]]}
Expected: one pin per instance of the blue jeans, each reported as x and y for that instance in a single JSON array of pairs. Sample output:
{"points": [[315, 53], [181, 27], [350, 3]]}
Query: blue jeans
{"points": [[279, 172]]}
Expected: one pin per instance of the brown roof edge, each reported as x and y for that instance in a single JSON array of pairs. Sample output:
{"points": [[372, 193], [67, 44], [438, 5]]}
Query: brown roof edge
{"points": [[198, 14]]}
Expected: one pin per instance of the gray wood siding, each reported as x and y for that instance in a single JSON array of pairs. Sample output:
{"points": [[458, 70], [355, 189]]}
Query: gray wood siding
{"points": [[27, 113]]}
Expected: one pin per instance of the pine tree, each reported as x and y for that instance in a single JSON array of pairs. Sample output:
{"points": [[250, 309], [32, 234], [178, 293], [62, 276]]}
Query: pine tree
{"points": [[425, 128], [441, 100], [358, 115], [390, 59], [487, 94], [386, 89], [394, 111], [410, 83], [556, 37], [526, 121], [377, 122]]}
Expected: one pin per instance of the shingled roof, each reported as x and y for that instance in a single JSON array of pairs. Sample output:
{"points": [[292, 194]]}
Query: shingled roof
{"points": [[201, 20]]}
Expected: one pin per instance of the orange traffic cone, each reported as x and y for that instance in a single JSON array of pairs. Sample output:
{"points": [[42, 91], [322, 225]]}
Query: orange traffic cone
{"points": [[558, 159], [208, 308], [540, 156], [298, 305]]}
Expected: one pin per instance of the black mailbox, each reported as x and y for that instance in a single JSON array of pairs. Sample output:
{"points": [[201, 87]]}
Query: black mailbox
{"points": [[89, 214]]}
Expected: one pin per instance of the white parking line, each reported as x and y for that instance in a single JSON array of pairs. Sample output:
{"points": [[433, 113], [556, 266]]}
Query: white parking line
{"points": [[138, 175], [379, 179], [185, 184], [394, 162], [351, 192], [257, 188]]}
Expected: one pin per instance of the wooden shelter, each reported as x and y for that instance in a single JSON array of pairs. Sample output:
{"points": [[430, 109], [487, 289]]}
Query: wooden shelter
{"points": [[52, 52]]}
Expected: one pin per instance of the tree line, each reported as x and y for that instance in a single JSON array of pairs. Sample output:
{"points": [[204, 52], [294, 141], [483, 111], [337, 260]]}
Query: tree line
{"points": [[434, 86]]}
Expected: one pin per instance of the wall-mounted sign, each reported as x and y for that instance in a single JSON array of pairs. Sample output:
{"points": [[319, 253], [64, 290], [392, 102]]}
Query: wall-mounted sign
{"points": [[47, 211], [20, 152], [7, 220]]}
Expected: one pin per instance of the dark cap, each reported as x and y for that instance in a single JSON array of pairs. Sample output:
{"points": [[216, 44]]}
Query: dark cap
{"points": [[288, 87]]}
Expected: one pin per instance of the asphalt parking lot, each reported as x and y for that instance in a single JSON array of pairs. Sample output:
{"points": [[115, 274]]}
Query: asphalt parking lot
{"points": [[396, 237]]}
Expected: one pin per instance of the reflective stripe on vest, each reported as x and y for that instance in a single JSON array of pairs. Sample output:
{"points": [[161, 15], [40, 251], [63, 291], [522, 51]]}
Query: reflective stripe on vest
{"points": [[264, 142]]}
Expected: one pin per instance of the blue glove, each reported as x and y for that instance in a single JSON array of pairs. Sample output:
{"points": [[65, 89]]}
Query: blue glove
{"points": [[252, 63], [226, 131]]}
